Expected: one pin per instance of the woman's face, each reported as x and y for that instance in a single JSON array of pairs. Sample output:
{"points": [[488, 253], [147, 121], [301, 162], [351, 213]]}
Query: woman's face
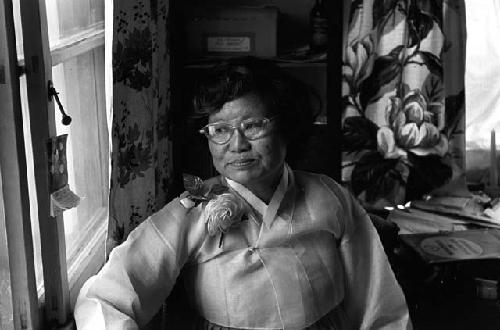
{"points": [[256, 164]]}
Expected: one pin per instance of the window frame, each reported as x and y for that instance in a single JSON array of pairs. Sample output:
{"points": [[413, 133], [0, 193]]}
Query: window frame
{"points": [[62, 278], [15, 195]]}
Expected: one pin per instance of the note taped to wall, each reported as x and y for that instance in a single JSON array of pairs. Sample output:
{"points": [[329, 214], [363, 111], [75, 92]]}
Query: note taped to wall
{"points": [[58, 167], [61, 196], [63, 199]]}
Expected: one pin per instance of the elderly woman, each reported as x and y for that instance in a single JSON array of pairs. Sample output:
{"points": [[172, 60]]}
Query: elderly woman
{"points": [[262, 246]]}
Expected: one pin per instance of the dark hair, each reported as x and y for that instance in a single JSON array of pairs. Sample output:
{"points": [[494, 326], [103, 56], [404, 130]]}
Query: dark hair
{"points": [[286, 97]]}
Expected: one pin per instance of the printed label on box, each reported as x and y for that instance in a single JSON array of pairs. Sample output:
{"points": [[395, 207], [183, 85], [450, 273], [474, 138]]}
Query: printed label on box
{"points": [[450, 247], [220, 44], [471, 244]]}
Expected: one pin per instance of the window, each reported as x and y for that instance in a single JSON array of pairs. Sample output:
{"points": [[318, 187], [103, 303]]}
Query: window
{"points": [[78, 76], [482, 85], [69, 43], [5, 291]]}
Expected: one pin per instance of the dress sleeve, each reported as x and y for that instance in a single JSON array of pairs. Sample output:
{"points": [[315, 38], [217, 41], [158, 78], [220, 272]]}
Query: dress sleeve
{"points": [[140, 273], [373, 297]]}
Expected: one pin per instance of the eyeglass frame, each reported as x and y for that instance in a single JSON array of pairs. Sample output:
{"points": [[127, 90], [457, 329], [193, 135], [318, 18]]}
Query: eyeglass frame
{"points": [[204, 129]]}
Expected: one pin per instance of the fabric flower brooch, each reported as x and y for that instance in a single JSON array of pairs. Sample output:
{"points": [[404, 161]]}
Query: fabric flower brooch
{"points": [[222, 212], [224, 209]]}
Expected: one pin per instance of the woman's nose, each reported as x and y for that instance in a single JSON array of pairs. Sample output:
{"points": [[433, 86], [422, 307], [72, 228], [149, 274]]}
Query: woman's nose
{"points": [[239, 142]]}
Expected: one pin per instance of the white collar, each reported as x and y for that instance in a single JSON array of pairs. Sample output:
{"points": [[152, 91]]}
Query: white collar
{"points": [[268, 212]]}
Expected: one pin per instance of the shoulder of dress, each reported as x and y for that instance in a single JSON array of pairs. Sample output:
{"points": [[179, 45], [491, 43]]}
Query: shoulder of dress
{"points": [[324, 188], [181, 207], [309, 180], [175, 220], [322, 200]]}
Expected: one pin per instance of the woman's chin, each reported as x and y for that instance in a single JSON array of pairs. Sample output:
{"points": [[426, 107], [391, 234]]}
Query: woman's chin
{"points": [[242, 175]]}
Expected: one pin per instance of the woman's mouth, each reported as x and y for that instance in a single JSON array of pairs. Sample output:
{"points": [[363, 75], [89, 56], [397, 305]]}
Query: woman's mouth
{"points": [[242, 163]]}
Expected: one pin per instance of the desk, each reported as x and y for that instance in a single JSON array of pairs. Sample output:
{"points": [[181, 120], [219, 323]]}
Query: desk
{"points": [[443, 296]]}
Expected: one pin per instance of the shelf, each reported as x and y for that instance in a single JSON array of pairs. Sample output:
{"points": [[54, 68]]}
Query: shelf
{"points": [[302, 65], [209, 62]]}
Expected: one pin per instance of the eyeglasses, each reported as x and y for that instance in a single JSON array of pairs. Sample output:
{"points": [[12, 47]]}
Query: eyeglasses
{"points": [[252, 129]]}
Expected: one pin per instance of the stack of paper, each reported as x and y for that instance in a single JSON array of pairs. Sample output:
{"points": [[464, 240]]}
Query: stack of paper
{"points": [[414, 221], [468, 208]]}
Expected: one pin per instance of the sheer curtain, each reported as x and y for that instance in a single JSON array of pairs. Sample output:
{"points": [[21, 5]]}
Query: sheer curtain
{"points": [[403, 90], [482, 82], [141, 162]]}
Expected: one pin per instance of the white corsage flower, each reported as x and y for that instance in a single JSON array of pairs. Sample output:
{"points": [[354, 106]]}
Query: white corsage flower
{"points": [[223, 212], [223, 208]]}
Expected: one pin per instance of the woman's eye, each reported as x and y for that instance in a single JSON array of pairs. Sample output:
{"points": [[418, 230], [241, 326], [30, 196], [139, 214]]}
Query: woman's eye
{"points": [[254, 125], [223, 129]]}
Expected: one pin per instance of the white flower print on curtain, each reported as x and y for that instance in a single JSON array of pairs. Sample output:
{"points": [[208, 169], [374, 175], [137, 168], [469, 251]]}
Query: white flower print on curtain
{"points": [[403, 91]]}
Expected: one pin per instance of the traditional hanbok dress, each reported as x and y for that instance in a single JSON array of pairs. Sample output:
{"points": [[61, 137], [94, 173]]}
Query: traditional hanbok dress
{"points": [[310, 259]]}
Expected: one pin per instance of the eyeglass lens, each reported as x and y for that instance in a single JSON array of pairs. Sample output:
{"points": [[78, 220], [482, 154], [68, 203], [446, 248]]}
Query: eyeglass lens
{"points": [[252, 129]]}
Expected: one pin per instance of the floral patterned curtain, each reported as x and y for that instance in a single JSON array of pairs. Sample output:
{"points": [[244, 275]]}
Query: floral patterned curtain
{"points": [[141, 162], [403, 90]]}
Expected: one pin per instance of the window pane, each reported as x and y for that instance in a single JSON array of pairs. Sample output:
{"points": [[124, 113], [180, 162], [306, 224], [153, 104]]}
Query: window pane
{"points": [[68, 17], [6, 311], [18, 27], [35, 229], [482, 83], [80, 83]]}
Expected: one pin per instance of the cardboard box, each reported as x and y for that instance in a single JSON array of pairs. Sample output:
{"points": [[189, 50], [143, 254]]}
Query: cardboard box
{"points": [[231, 31]]}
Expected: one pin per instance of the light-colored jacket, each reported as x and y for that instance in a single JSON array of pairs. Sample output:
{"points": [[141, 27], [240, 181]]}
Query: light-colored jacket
{"points": [[313, 249]]}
